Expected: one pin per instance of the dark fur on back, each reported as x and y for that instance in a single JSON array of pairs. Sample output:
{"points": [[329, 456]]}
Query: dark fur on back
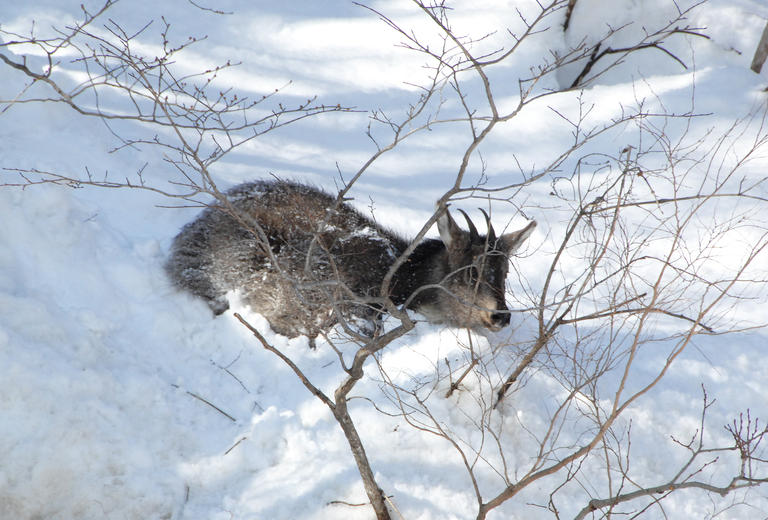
{"points": [[324, 259]]}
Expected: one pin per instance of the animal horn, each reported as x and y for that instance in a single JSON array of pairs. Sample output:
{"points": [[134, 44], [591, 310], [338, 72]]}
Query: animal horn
{"points": [[491, 232], [473, 235]]}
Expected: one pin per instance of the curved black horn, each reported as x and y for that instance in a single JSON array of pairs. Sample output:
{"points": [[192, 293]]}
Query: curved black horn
{"points": [[473, 235], [491, 232]]}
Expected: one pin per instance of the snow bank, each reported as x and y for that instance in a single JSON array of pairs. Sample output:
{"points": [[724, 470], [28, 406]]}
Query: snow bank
{"points": [[122, 398]]}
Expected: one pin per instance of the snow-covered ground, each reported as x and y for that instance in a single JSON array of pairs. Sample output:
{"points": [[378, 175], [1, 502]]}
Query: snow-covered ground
{"points": [[122, 398]]}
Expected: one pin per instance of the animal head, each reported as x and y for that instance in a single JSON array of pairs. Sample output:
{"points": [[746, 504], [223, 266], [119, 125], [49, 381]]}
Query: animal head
{"points": [[476, 272]]}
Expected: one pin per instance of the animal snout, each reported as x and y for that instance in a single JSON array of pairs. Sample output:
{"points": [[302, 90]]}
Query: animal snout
{"points": [[499, 319]]}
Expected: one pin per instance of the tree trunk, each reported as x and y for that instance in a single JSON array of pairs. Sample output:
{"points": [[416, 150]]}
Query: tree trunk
{"points": [[375, 495], [761, 53], [568, 14]]}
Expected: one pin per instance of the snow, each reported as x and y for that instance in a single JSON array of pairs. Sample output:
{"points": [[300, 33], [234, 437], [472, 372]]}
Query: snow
{"points": [[123, 398]]}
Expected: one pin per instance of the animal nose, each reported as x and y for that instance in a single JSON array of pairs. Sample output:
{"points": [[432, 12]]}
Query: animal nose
{"points": [[500, 319]]}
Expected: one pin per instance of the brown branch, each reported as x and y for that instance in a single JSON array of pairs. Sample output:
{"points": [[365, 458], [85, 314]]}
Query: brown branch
{"points": [[736, 483], [285, 359], [455, 384], [202, 399], [638, 310], [568, 14], [339, 407], [761, 52]]}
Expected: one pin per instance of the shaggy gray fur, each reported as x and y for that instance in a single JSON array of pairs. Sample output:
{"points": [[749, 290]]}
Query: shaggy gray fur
{"points": [[324, 259]]}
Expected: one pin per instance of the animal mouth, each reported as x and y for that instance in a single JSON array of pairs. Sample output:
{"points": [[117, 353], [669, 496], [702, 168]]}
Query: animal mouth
{"points": [[497, 321], [492, 326]]}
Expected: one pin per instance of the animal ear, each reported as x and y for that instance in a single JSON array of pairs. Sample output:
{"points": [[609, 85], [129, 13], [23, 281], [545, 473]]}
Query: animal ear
{"points": [[510, 242], [450, 233]]}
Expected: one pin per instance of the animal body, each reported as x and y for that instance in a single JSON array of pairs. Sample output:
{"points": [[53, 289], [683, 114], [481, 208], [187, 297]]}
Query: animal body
{"points": [[306, 262]]}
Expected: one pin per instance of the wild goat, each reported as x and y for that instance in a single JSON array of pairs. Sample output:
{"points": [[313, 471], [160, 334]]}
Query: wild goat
{"points": [[306, 262]]}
